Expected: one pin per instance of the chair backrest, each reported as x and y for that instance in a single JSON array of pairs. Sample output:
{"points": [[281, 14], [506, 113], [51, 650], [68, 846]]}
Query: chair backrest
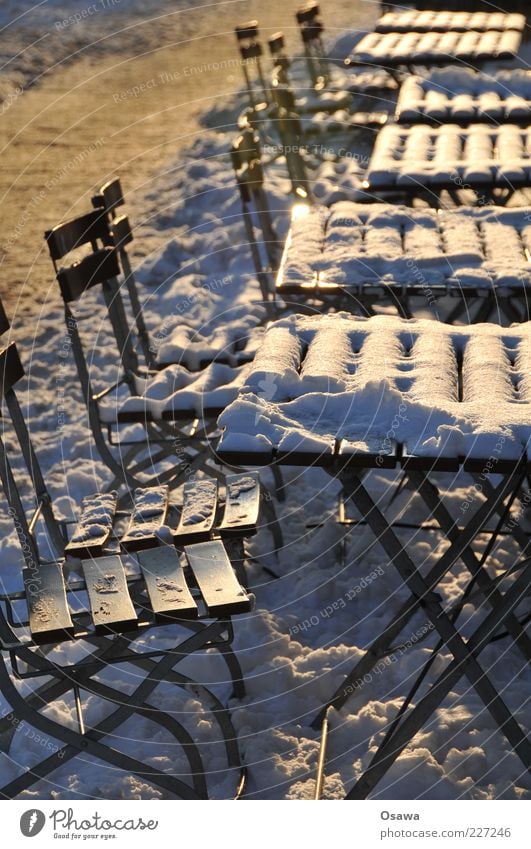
{"points": [[109, 198], [251, 53], [311, 28], [246, 159], [99, 267], [11, 371]]}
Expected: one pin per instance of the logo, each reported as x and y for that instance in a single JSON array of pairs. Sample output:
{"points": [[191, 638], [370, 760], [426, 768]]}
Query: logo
{"points": [[32, 822]]}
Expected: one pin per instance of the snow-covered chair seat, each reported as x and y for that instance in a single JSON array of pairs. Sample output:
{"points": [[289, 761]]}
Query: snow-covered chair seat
{"points": [[434, 21], [325, 386], [106, 595], [357, 246], [396, 49], [450, 156], [180, 344], [463, 96], [133, 393], [175, 393]]}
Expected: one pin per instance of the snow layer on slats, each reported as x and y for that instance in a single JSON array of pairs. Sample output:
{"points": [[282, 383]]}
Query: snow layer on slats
{"points": [[177, 390], [429, 21], [352, 244], [397, 48], [463, 95], [440, 390], [478, 155], [97, 514]]}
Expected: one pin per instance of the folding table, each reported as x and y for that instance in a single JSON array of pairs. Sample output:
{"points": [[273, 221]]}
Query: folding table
{"points": [[492, 161], [349, 394], [357, 255], [463, 96]]}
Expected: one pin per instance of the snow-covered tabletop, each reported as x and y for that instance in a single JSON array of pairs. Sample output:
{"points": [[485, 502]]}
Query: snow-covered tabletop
{"points": [[462, 95], [429, 21], [356, 245], [324, 385], [395, 49], [450, 156]]}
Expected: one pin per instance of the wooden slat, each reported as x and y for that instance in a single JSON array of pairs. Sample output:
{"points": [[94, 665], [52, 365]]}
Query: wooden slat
{"points": [[369, 452], [216, 580], [49, 616], [242, 504], [111, 606], [148, 516], [79, 231], [103, 515], [95, 268], [10, 368], [198, 513], [166, 585], [4, 321]]}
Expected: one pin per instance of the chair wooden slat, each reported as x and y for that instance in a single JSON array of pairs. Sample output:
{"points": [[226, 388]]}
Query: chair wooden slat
{"points": [[77, 232], [121, 232], [198, 513], [11, 369], [4, 321], [110, 603], [242, 505], [92, 532], [148, 516], [166, 585], [49, 616], [216, 579], [109, 196], [95, 268]]}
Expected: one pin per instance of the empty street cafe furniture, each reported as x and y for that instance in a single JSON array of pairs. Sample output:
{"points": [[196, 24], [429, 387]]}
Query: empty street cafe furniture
{"points": [[413, 400]]}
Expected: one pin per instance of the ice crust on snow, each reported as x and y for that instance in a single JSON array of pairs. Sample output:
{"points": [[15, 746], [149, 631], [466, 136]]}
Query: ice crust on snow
{"points": [[480, 154], [463, 95], [353, 244], [439, 390]]}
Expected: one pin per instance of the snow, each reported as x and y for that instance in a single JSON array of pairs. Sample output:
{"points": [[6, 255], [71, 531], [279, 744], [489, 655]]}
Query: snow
{"points": [[464, 95], [397, 48], [344, 377], [451, 154], [315, 620], [97, 515], [428, 21], [352, 244]]}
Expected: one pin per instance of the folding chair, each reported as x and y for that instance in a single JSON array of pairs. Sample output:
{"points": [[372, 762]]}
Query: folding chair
{"points": [[330, 364], [173, 409], [463, 96], [361, 256], [311, 29], [109, 597], [492, 162], [251, 53], [231, 345], [246, 159]]}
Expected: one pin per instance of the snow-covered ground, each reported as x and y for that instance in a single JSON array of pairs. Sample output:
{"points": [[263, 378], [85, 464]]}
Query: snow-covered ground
{"points": [[314, 619]]}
